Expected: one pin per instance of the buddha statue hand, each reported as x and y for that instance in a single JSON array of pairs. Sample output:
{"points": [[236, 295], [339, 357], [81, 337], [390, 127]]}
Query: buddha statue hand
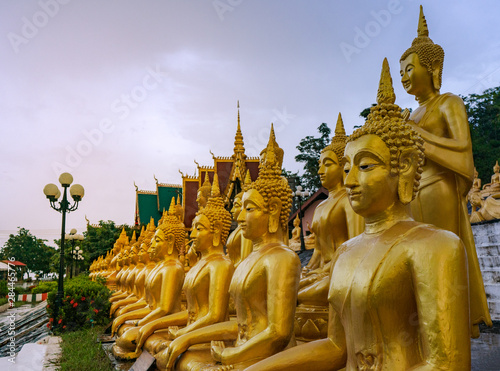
{"points": [[173, 331], [165, 359], [216, 349]]}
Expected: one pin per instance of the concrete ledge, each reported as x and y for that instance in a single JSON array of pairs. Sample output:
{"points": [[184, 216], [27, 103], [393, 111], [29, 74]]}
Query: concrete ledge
{"points": [[4, 307]]}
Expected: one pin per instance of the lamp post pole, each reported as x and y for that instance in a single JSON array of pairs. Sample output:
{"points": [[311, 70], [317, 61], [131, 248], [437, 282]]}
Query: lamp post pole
{"points": [[299, 193], [52, 193]]}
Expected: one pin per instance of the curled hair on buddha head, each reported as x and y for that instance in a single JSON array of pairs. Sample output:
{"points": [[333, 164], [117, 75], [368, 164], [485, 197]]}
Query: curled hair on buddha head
{"points": [[215, 211], [172, 224], [270, 183], [385, 121], [429, 54], [338, 141]]}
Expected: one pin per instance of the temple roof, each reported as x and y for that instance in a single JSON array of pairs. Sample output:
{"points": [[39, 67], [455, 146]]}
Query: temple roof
{"points": [[150, 204]]}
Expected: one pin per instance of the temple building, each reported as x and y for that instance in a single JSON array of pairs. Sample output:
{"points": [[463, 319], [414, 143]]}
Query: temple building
{"points": [[231, 171], [150, 204]]}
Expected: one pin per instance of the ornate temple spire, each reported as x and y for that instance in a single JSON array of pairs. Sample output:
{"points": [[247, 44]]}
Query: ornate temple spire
{"points": [[239, 149], [385, 92]]}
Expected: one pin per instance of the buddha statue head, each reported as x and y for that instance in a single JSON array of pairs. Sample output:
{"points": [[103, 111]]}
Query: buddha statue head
{"points": [[496, 168], [384, 157], [330, 167], [236, 209], [422, 63], [278, 152], [169, 237], [268, 200], [296, 221], [120, 242], [204, 193], [211, 225], [179, 210]]}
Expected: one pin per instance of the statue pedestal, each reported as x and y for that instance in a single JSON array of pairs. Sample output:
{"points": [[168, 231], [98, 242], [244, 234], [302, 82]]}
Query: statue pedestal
{"points": [[311, 323], [487, 239]]}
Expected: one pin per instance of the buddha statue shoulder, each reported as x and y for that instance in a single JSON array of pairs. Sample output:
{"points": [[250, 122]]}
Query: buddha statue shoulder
{"points": [[396, 286], [264, 286], [441, 121], [163, 284], [334, 221], [207, 283]]}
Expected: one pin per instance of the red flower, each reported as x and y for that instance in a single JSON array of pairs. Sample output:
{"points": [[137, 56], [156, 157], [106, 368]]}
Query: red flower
{"points": [[75, 305], [83, 298], [59, 321], [91, 302], [71, 302], [48, 325], [67, 296], [64, 326], [96, 311], [51, 319]]}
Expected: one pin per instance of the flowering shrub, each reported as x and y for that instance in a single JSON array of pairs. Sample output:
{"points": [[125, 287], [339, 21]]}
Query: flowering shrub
{"points": [[85, 304]]}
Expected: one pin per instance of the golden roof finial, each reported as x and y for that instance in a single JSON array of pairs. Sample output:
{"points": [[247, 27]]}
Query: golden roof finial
{"points": [[156, 180], [385, 92], [422, 29], [180, 172], [136, 188], [215, 187], [171, 209], [88, 221], [238, 138], [196, 162]]}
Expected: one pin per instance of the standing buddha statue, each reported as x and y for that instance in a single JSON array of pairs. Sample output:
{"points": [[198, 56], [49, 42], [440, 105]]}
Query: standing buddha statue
{"points": [[441, 120]]}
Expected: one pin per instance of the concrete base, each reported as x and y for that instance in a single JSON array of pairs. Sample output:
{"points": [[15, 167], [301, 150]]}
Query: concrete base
{"points": [[487, 239]]}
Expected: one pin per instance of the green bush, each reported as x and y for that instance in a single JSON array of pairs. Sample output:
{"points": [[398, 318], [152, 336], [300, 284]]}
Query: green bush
{"points": [[3, 301], [45, 287], [4, 290], [21, 290], [85, 304]]}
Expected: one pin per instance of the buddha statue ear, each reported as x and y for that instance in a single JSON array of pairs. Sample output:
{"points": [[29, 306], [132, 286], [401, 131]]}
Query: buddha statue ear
{"points": [[274, 214], [170, 240], [217, 233], [436, 75], [408, 164]]}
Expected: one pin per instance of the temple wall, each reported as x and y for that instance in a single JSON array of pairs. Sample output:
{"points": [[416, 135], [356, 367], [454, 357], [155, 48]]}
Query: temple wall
{"points": [[487, 238]]}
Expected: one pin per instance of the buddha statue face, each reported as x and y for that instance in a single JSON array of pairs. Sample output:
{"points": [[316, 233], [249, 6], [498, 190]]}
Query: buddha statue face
{"points": [[415, 78], [330, 170], [254, 216], [201, 235], [143, 253], [157, 249], [133, 255], [236, 209], [371, 187]]}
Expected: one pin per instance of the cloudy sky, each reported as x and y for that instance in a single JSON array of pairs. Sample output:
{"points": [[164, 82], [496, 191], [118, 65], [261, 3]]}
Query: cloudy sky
{"points": [[118, 91]]}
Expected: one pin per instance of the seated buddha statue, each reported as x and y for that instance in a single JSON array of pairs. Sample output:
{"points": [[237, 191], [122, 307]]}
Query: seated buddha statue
{"points": [[294, 242], [140, 282], [163, 284], [441, 120], [206, 284], [137, 266], [334, 222], [264, 286], [494, 186], [122, 275], [113, 266], [399, 291]]}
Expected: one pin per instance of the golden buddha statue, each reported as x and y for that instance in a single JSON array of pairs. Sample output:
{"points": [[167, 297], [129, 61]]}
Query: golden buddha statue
{"points": [[485, 203], [207, 283], [334, 222], [441, 120], [204, 193], [494, 186], [237, 246], [399, 291], [140, 281], [264, 286], [112, 265], [163, 284], [294, 242], [122, 275]]}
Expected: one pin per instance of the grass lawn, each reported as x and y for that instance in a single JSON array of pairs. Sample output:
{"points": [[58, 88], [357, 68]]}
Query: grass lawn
{"points": [[81, 352]]}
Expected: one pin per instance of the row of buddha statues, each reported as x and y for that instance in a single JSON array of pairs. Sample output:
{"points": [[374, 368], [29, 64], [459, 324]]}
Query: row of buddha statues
{"points": [[485, 201], [393, 282]]}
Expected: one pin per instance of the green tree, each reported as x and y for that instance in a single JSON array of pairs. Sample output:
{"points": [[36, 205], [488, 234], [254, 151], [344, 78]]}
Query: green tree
{"points": [[310, 150], [484, 122], [29, 250], [100, 239]]}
